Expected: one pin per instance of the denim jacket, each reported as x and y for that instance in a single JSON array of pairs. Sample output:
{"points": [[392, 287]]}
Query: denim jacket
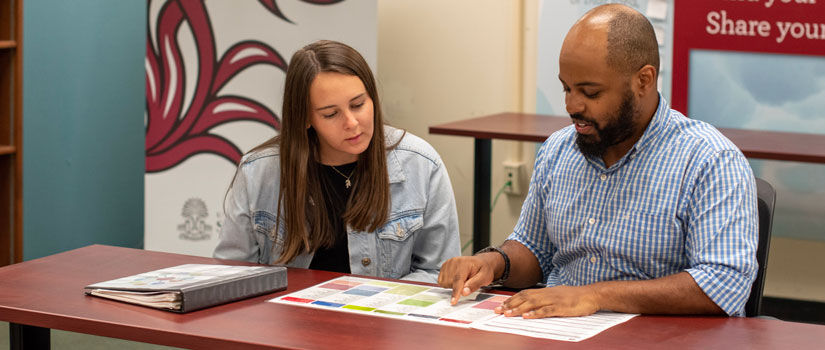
{"points": [[421, 231]]}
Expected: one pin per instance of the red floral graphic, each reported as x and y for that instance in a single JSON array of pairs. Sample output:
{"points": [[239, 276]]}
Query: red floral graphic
{"points": [[272, 6], [174, 134]]}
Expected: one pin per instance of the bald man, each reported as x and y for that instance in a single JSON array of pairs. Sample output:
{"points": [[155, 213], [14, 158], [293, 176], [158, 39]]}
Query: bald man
{"points": [[634, 207]]}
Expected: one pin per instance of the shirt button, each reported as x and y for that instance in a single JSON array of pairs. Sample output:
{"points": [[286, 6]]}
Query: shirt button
{"points": [[366, 261], [603, 177], [591, 221], [593, 259]]}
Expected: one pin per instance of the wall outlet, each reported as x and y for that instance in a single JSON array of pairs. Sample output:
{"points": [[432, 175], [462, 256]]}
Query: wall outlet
{"points": [[514, 172]]}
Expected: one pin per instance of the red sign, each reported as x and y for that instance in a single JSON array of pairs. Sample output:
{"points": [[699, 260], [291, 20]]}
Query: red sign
{"points": [[763, 26]]}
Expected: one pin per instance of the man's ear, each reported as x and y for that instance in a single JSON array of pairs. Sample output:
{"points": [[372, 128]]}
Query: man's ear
{"points": [[646, 80]]}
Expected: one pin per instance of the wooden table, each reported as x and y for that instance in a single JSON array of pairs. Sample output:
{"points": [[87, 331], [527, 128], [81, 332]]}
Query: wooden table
{"points": [[47, 293], [536, 128]]}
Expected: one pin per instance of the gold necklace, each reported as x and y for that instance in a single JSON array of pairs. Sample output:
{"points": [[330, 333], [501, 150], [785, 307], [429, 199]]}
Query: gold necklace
{"points": [[346, 183]]}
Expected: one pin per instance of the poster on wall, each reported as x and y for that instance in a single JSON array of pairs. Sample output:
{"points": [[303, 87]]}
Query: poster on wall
{"points": [[214, 80], [759, 65], [556, 18]]}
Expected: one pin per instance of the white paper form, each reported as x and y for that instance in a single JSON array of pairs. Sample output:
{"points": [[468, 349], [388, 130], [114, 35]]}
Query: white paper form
{"points": [[572, 329], [427, 304]]}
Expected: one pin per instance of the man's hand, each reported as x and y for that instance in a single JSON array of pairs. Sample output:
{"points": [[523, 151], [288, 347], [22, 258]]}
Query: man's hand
{"points": [[551, 301], [466, 274]]}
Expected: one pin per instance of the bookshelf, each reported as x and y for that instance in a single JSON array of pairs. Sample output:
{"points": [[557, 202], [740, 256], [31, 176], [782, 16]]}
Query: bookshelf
{"points": [[11, 131]]}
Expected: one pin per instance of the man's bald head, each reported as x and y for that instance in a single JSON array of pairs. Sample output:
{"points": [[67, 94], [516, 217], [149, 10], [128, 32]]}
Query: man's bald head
{"points": [[631, 41]]}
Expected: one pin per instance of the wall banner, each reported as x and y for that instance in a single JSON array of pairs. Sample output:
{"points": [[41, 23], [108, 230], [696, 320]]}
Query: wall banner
{"points": [[759, 65], [758, 26], [214, 80], [556, 18]]}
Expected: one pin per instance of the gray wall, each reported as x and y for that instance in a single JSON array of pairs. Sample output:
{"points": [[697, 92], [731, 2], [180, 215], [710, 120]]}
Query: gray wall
{"points": [[83, 106]]}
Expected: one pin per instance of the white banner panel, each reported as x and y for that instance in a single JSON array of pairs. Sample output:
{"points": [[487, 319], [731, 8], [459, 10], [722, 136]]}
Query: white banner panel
{"points": [[556, 18], [214, 83]]}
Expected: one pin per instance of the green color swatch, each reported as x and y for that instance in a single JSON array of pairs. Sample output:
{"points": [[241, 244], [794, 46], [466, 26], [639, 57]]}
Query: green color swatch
{"points": [[408, 289], [359, 308], [390, 312]]}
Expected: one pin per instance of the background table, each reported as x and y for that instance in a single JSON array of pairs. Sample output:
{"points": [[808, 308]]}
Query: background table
{"points": [[48, 293], [536, 128]]}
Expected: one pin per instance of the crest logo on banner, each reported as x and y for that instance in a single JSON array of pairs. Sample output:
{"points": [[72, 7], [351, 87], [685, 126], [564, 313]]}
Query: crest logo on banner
{"points": [[213, 82], [194, 227]]}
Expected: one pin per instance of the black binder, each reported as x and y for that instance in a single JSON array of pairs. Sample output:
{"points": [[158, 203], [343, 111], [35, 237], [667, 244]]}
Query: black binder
{"points": [[190, 287]]}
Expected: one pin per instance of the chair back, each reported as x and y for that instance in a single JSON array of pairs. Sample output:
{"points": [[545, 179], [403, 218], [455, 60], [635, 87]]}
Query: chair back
{"points": [[766, 198]]}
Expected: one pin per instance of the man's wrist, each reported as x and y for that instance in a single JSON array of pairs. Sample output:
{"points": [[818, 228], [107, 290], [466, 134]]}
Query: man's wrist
{"points": [[505, 274], [594, 294]]}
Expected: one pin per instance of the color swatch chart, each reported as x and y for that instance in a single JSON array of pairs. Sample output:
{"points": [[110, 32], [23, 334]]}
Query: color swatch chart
{"points": [[394, 299]]}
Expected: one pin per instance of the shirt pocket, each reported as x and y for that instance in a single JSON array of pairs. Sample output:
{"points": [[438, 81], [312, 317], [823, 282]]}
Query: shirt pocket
{"points": [[266, 236], [395, 244], [647, 245]]}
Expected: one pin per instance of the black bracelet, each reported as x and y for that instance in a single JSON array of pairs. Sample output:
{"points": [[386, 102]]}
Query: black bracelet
{"points": [[504, 275]]}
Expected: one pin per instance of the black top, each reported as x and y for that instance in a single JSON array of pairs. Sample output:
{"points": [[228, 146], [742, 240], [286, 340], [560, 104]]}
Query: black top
{"points": [[336, 194]]}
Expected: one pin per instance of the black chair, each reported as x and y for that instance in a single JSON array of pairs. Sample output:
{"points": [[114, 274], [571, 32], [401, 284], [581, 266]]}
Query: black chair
{"points": [[766, 197]]}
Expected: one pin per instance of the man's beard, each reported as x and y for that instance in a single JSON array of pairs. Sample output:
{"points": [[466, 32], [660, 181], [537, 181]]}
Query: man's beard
{"points": [[619, 127]]}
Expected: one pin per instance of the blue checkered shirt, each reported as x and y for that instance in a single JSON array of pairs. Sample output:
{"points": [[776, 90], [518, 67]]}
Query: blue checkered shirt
{"points": [[682, 199]]}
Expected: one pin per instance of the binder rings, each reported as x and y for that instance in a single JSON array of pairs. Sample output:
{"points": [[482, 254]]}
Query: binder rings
{"points": [[190, 287]]}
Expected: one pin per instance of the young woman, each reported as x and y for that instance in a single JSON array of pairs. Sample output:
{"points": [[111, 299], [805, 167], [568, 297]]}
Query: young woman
{"points": [[338, 190]]}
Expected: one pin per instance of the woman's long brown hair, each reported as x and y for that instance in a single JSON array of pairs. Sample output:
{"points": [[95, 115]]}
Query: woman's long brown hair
{"points": [[301, 205]]}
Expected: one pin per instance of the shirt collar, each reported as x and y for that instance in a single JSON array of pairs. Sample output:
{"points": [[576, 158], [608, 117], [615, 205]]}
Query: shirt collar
{"points": [[394, 168], [654, 129]]}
